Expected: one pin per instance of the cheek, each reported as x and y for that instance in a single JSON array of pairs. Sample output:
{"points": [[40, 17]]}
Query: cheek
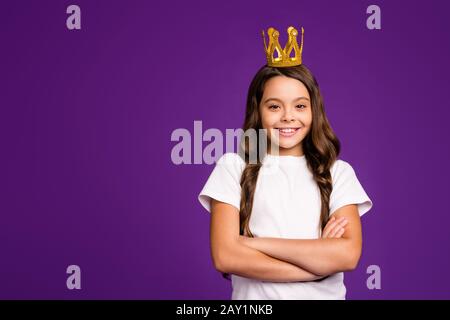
{"points": [[268, 120], [307, 118]]}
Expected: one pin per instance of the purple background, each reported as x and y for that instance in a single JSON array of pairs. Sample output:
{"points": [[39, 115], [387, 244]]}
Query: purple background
{"points": [[86, 119]]}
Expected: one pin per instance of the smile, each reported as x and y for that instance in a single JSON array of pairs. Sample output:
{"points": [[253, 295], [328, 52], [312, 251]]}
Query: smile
{"points": [[287, 132]]}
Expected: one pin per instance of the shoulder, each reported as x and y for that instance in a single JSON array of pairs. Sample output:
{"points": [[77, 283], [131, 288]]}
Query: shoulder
{"points": [[230, 157], [232, 162], [341, 168]]}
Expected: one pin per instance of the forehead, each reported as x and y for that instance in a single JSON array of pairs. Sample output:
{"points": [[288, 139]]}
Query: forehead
{"points": [[285, 88]]}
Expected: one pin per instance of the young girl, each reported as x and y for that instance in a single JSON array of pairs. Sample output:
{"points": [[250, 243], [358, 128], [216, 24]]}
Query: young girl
{"points": [[288, 226]]}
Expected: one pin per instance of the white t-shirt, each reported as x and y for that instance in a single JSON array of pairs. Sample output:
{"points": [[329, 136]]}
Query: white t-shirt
{"points": [[286, 205]]}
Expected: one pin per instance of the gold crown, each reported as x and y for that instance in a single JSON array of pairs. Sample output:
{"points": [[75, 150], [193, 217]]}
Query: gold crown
{"points": [[283, 59]]}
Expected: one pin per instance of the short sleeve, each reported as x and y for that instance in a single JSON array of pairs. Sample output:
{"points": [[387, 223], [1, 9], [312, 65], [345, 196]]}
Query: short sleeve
{"points": [[347, 189], [223, 183]]}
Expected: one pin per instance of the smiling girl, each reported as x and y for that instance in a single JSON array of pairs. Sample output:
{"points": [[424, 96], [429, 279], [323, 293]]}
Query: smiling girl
{"points": [[288, 226]]}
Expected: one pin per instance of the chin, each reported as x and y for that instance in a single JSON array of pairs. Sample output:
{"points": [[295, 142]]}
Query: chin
{"points": [[288, 147], [289, 144]]}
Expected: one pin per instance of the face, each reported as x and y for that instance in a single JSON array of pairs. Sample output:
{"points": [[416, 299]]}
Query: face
{"points": [[285, 110]]}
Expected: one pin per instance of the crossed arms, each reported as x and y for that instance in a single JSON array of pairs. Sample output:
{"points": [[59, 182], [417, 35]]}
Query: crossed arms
{"points": [[285, 260]]}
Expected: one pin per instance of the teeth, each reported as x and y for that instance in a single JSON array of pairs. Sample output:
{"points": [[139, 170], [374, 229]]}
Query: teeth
{"points": [[289, 130]]}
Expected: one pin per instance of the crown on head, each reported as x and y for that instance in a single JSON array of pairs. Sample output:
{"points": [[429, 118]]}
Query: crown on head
{"points": [[283, 58]]}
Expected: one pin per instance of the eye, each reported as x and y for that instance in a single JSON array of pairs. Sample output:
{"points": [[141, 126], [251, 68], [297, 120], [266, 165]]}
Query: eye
{"points": [[273, 107], [300, 106]]}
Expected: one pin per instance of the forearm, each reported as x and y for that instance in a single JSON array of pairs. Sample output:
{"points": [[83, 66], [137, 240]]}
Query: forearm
{"points": [[247, 262], [322, 256]]}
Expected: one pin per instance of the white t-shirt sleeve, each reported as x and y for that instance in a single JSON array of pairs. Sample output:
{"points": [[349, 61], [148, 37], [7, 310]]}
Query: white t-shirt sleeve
{"points": [[347, 189], [224, 182]]}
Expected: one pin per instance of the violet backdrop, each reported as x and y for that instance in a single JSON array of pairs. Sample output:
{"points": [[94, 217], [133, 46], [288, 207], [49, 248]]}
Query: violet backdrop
{"points": [[87, 115]]}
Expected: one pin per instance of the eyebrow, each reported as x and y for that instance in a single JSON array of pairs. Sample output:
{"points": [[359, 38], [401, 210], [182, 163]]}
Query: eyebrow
{"points": [[276, 99]]}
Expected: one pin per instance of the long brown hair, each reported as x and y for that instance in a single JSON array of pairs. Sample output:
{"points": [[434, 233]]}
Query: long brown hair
{"points": [[320, 146]]}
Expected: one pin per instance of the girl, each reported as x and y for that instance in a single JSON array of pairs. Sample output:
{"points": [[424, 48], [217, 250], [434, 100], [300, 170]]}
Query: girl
{"points": [[288, 226]]}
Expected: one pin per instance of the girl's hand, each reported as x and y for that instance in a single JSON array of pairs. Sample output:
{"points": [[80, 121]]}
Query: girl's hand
{"points": [[334, 227]]}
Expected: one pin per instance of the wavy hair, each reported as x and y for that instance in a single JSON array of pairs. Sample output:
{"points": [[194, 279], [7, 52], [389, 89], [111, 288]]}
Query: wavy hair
{"points": [[320, 146]]}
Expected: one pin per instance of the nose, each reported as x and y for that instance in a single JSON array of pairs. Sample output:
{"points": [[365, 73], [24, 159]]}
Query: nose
{"points": [[287, 115]]}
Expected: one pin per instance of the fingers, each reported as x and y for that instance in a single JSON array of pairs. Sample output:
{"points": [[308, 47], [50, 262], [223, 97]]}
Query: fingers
{"points": [[334, 227], [328, 226], [340, 233], [338, 229]]}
